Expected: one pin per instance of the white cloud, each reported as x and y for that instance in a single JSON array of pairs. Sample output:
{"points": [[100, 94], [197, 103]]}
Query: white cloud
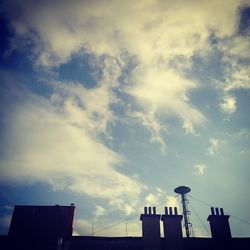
{"points": [[128, 207], [151, 200], [229, 104], [151, 123], [99, 211], [236, 47], [213, 148], [163, 92], [188, 126], [57, 141], [88, 108], [166, 92], [172, 201], [153, 33], [65, 28], [156, 197], [199, 169], [238, 77], [235, 57], [82, 227]]}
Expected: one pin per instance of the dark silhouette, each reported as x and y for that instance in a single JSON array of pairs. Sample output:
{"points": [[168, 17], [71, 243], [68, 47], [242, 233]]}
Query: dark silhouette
{"points": [[50, 228], [219, 224], [172, 229], [41, 227], [151, 228], [183, 190]]}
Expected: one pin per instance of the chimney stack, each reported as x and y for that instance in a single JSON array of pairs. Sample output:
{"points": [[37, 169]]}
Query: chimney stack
{"points": [[172, 228], [151, 229], [219, 224]]}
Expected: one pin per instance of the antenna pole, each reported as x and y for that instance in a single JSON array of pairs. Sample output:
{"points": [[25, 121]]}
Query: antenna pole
{"points": [[92, 228], [187, 223], [182, 190]]}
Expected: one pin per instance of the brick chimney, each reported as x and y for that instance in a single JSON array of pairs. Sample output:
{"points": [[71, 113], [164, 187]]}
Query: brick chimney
{"points": [[172, 228], [219, 224], [151, 229]]}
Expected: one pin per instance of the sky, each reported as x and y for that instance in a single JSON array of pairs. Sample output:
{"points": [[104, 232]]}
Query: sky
{"points": [[110, 105]]}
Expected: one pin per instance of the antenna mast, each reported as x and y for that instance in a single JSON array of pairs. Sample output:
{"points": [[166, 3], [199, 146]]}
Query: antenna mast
{"points": [[182, 190]]}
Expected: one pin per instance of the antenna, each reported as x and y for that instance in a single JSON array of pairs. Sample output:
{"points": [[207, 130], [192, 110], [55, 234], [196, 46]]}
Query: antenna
{"points": [[93, 228], [182, 190]]}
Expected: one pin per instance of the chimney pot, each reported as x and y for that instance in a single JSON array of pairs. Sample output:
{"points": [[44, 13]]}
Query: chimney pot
{"points": [[221, 211], [175, 211], [145, 210], [217, 211], [170, 211], [212, 210], [166, 210], [149, 210], [154, 210]]}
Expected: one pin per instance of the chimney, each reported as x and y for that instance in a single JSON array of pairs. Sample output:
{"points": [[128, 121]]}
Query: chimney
{"points": [[219, 224], [151, 229], [172, 228]]}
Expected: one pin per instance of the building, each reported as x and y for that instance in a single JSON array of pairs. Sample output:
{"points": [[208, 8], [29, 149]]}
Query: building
{"points": [[50, 228], [41, 227]]}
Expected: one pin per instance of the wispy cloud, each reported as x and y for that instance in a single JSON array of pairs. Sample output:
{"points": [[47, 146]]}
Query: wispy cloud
{"points": [[99, 211], [159, 198], [188, 126], [239, 77], [244, 133], [228, 106], [199, 169], [165, 92], [214, 145], [151, 123], [56, 140]]}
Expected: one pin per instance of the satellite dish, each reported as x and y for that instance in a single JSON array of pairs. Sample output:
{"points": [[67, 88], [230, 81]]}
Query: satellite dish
{"points": [[182, 190]]}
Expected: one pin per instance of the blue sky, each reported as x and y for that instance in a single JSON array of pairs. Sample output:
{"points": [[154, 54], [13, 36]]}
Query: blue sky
{"points": [[111, 105]]}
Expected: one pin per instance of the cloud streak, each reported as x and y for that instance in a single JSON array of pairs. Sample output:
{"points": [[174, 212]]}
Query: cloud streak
{"points": [[57, 141]]}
